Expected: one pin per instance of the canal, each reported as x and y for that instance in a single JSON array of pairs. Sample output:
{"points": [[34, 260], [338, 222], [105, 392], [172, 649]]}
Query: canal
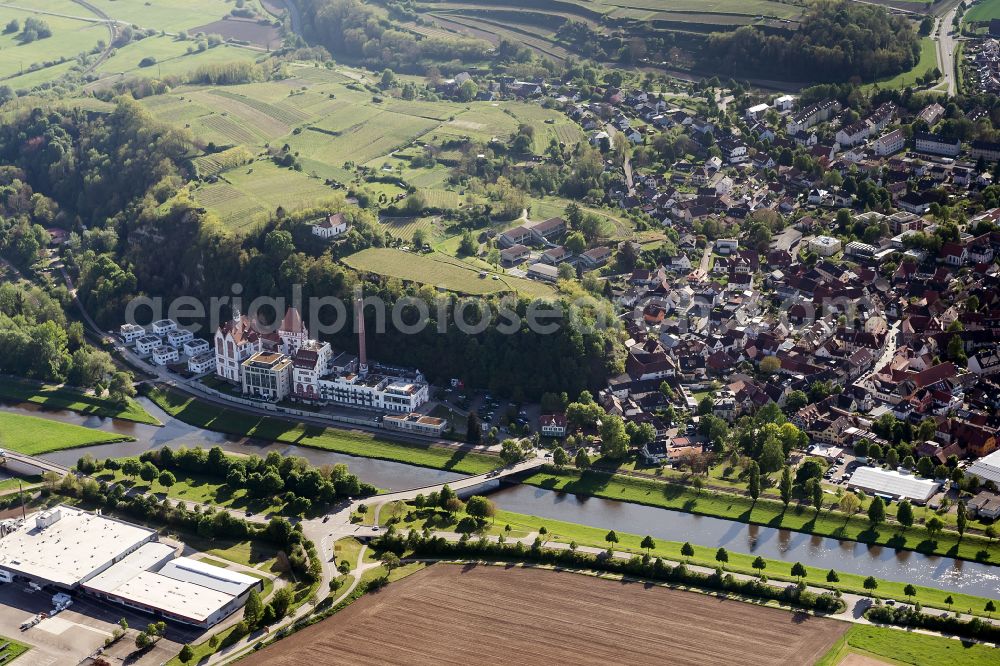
{"points": [[175, 434], [822, 552], [846, 556]]}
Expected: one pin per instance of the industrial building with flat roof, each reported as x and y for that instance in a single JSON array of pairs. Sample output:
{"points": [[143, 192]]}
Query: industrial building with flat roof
{"points": [[987, 468], [893, 484], [183, 590], [70, 549], [66, 546]]}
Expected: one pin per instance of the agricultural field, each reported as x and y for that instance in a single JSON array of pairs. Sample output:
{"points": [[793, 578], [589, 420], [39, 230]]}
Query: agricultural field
{"points": [[78, 29], [440, 270], [534, 24], [70, 37], [170, 15], [247, 191], [332, 125], [524, 611]]}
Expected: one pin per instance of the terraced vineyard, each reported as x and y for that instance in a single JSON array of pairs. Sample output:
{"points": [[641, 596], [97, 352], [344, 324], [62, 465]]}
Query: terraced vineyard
{"points": [[535, 23]]}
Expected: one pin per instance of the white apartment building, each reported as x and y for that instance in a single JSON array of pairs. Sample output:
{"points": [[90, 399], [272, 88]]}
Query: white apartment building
{"points": [[164, 326], [164, 354], [266, 375], [147, 343], [129, 333]]}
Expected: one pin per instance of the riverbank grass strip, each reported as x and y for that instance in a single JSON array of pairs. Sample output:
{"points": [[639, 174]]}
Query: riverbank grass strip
{"points": [[354, 443], [59, 397], [32, 436], [906, 647], [558, 531], [765, 512]]}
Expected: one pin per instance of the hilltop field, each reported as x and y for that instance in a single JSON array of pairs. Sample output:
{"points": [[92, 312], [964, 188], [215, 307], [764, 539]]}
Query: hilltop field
{"points": [[342, 133], [104, 41], [334, 125]]}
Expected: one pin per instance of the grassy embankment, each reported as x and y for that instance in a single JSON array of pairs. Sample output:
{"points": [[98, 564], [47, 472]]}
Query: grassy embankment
{"points": [[559, 531], [31, 435], [353, 443], [765, 512], [59, 397], [903, 647]]}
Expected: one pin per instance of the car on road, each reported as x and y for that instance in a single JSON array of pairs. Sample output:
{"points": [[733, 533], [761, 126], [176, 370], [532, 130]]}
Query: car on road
{"points": [[375, 528]]}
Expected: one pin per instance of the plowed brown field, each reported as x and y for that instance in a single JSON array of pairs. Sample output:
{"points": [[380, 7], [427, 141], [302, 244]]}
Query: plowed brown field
{"points": [[467, 616]]}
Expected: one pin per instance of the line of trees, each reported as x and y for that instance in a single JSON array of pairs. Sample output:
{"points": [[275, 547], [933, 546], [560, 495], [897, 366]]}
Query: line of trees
{"points": [[906, 616], [643, 567]]}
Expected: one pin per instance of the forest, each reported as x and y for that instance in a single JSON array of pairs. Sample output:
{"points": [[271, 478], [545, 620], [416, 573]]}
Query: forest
{"points": [[353, 30], [837, 41]]}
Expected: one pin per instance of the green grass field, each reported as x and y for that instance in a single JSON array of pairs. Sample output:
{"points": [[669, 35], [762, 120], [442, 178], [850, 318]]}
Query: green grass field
{"points": [[169, 15], [439, 270], [895, 646], [928, 60], [70, 37], [31, 435], [12, 651], [53, 397], [253, 189], [984, 10], [766, 512], [584, 535], [172, 57], [353, 443], [196, 488]]}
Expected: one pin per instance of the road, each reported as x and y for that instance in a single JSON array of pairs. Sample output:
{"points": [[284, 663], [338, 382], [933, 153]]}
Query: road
{"points": [[706, 259], [891, 341], [944, 36], [37, 463]]}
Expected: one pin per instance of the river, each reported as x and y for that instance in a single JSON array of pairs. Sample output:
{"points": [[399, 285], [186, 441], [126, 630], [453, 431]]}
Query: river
{"points": [[175, 433], [847, 556]]}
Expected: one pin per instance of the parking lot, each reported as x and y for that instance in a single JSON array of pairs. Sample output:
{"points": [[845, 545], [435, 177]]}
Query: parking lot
{"points": [[494, 411], [77, 632]]}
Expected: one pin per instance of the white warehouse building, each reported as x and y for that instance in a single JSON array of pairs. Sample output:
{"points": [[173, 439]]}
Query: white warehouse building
{"points": [[893, 484], [71, 549]]}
